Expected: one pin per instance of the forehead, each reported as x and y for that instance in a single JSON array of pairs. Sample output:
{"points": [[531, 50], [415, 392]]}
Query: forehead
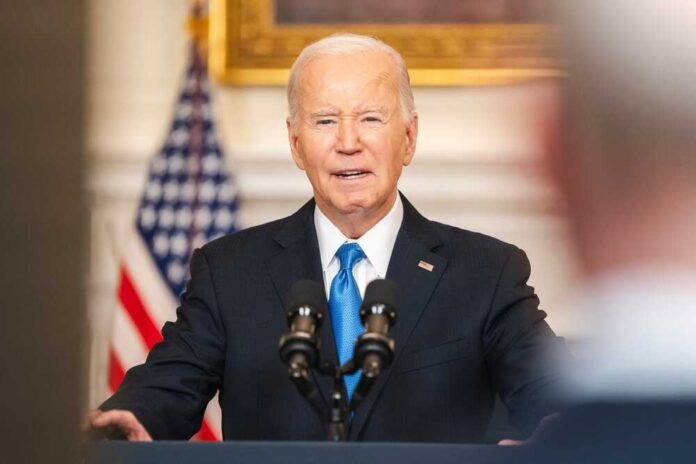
{"points": [[357, 80]]}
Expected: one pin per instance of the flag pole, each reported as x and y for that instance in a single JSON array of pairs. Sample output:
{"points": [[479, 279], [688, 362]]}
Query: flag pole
{"points": [[197, 28]]}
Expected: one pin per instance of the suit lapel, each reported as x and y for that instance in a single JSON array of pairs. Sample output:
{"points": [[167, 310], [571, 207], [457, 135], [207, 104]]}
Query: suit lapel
{"points": [[415, 242], [299, 259]]}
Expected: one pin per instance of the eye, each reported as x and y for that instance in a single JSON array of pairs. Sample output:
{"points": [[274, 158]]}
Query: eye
{"points": [[371, 119], [324, 122]]}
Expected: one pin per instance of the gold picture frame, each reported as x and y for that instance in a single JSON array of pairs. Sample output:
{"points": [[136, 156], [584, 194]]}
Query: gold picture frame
{"points": [[247, 47]]}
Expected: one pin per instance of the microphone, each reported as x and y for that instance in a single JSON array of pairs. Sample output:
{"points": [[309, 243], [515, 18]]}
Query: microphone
{"points": [[299, 349], [374, 350]]}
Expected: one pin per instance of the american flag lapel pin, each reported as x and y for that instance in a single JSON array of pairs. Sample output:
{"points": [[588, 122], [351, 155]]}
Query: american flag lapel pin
{"points": [[425, 265]]}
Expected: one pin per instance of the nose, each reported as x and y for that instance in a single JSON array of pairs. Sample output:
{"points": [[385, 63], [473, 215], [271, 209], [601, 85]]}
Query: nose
{"points": [[348, 137]]}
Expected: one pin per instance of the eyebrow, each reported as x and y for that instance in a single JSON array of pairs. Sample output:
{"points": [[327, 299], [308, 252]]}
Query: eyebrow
{"points": [[374, 109], [334, 112], [327, 112]]}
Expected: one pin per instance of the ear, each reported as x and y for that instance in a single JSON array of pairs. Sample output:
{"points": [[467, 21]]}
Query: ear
{"points": [[411, 138], [293, 139]]}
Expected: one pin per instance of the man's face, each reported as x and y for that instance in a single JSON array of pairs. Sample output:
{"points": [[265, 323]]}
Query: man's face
{"points": [[350, 136]]}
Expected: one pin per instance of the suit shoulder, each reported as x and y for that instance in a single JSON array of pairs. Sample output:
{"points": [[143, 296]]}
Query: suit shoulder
{"points": [[254, 240], [459, 241]]}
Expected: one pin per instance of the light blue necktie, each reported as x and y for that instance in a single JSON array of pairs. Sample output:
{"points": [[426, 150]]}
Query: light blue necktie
{"points": [[344, 304]]}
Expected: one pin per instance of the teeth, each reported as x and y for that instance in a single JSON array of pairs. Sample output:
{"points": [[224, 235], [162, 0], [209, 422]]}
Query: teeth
{"points": [[350, 174]]}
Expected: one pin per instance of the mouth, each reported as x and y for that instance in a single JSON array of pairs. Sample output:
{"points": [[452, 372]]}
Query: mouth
{"points": [[352, 174]]}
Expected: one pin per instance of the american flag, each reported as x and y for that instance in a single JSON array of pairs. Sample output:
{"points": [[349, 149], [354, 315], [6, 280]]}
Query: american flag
{"points": [[188, 200]]}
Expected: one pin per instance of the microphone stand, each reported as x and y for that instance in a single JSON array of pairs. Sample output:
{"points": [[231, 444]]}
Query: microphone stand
{"points": [[372, 368], [337, 423], [336, 416], [299, 375]]}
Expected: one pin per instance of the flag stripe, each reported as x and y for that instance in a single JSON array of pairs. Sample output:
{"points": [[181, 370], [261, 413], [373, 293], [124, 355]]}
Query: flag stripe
{"points": [[134, 306], [206, 434], [213, 416], [116, 371], [155, 294], [126, 340]]}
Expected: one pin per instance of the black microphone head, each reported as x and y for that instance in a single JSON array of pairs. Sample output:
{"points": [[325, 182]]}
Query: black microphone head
{"points": [[306, 293], [381, 292]]}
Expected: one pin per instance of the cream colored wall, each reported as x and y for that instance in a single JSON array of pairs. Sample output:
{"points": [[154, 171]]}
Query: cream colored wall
{"points": [[474, 166]]}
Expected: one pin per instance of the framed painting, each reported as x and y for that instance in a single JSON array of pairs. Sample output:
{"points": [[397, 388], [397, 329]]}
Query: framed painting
{"points": [[444, 42]]}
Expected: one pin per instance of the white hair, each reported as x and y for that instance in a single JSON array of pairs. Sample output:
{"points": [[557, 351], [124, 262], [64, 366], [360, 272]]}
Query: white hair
{"points": [[345, 44]]}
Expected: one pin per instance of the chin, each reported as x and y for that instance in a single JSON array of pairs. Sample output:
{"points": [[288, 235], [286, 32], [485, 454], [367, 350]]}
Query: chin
{"points": [[359, 205], [350, 208]]}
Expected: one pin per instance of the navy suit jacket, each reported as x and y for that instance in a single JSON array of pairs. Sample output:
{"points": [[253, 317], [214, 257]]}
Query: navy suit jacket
{"points": [[467, 330]]}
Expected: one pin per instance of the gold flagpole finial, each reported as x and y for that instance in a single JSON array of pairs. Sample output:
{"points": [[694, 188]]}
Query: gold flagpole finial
{"points": [[197, 26]]}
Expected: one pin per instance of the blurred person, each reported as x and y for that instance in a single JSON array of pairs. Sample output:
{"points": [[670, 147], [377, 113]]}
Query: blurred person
{"points": [[627, 168], [43, 204], [469, 326], [622, 155]]}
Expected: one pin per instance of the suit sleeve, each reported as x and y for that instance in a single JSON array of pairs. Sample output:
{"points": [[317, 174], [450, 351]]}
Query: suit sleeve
{"points": [[169, 392], [525, 357]]}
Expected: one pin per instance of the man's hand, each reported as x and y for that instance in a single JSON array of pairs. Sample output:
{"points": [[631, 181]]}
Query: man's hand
{"points": [[510, 442], [116, 424], [545, 421]]}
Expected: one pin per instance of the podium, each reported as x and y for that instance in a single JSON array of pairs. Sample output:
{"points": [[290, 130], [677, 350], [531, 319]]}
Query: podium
{"points": [[598, 433], [273, 452]]}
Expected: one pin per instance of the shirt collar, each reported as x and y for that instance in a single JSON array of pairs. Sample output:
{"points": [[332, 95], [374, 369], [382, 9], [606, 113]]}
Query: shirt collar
{"points": [[377, 243]]}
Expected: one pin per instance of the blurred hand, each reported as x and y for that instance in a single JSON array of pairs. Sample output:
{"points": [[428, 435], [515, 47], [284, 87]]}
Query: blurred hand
{"points": [[510, 442], [116, 424], [546, 421]]}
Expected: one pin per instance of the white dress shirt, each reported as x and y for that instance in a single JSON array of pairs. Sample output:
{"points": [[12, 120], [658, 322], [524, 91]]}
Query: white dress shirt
{"points": [[377, 243]]}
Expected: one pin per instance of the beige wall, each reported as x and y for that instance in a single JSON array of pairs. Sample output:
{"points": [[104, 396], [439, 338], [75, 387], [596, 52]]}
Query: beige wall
{"points": [[474, 166]]}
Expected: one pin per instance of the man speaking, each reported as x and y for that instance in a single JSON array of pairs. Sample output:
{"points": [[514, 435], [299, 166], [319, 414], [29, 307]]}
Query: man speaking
{"points": [[469, 326]]}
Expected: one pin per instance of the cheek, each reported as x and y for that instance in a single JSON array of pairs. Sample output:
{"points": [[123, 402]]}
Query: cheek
{"points": [[316, 148], [389, 154], [315, 168], [379, 144]]}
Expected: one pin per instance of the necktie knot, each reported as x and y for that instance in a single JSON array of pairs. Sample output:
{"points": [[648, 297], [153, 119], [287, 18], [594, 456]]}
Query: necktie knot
{"points": [[349, 254]]}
